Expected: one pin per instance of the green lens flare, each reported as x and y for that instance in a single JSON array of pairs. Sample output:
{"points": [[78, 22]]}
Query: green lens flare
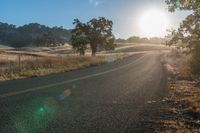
{"points": [[74, 86], [35, 115], [178, 3], [41, 109]]}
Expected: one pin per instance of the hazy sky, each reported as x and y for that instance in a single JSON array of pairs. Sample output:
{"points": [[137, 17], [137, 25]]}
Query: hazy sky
{"points": [[124, 13]]}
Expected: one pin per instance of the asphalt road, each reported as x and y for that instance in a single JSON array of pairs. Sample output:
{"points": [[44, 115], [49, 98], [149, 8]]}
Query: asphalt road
{"points": [[107, 98]]}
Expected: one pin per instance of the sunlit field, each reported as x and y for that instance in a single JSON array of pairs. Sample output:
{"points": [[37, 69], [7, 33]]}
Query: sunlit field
{"points": [[33, 62]]}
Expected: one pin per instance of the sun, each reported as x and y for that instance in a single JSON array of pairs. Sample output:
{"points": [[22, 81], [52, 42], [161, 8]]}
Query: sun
{"points": [[153, 23]]}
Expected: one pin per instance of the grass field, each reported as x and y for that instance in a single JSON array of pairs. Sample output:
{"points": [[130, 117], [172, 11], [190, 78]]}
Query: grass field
{"points": [[32, 62], [38, 61]]}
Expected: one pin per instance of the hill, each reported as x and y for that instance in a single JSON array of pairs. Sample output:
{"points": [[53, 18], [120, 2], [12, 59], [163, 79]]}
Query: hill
{"points": [[33, 34]]}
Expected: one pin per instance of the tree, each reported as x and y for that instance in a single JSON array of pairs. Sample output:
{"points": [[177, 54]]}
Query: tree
{"points": [[192, 5], [189, 31], [48, 39], [108, 44], [79, 43], [120, 40], [33, 34], [133, 39], [97, 32], [79, 39], [144, 40]]}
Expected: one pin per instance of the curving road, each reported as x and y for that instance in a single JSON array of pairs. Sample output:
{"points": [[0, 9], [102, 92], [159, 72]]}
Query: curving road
{"points": [[107, 98]]}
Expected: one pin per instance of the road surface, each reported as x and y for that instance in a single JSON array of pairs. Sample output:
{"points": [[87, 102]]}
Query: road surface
{"points": [[108, 98]]}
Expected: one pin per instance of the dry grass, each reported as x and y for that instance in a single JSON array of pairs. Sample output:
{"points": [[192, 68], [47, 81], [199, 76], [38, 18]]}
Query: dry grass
{"points": [[32, 66], [179, 62], [184, 95], [187, 91], [184, 106], [31, 62]]}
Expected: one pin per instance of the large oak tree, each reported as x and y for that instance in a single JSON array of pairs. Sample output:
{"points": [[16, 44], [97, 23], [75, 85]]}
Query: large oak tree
{"points": [[97, 32]]}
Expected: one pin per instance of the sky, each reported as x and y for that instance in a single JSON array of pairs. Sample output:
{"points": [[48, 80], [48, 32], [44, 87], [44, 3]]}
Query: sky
{"points": [[125, 14]]}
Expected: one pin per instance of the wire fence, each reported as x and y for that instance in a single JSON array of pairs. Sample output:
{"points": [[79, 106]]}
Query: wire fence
{"points": [[25, 61]]}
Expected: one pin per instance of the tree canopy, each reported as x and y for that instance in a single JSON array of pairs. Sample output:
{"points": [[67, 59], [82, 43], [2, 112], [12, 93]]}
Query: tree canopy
{"points": [[97, 33], [137, 39], [33, 34], [189, 30]]}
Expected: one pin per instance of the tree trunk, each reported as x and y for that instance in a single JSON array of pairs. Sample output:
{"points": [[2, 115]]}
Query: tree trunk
{"points": [[93, 53], [94, 49]]}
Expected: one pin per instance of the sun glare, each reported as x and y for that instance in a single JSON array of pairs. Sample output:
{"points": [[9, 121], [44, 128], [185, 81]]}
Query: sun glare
{"points": [[153, 23]]}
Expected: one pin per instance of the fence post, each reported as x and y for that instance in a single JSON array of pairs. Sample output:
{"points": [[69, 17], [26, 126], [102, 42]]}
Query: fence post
{"points": [[61, 59], [19, 60]]}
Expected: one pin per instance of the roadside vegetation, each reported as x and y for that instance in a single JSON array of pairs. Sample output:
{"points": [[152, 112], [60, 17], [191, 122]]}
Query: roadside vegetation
{"points": [[182, 108], [187, 36], [33, 66], [182, 65]]}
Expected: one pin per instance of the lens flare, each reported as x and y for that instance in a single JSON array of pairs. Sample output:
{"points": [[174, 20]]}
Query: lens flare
{"points": [[41, 109], [178, 3], [35, 115], [74, 86], [65, 94]]}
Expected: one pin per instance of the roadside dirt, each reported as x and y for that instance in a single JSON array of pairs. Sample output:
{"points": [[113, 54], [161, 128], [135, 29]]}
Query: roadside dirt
{"points": [[180, 111]]}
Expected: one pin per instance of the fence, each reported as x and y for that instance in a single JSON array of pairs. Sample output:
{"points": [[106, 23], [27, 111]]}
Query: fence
{"points": [[24, 61]]}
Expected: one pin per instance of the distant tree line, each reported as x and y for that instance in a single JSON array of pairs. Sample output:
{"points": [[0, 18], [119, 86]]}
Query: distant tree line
{"points": [[33, 34], [136, 39], [97, 33]]}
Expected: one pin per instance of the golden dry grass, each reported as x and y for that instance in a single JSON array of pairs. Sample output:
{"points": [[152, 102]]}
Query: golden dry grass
{"points": [[179, 62], [31, 66], [184, 94]]}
